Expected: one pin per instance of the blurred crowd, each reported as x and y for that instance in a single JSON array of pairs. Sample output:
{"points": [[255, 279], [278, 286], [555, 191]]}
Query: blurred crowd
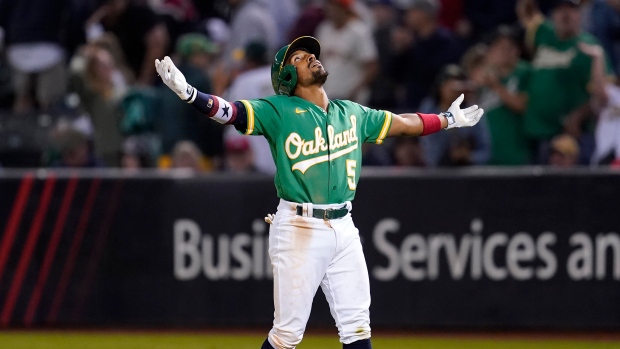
{"points": [[78, 86]]}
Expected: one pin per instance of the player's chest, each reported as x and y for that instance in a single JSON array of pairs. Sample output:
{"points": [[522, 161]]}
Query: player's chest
{"points": [[315, 133]]}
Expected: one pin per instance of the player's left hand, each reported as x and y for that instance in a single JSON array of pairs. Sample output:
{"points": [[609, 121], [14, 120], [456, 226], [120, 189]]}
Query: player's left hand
{"points": [[458, 117]]}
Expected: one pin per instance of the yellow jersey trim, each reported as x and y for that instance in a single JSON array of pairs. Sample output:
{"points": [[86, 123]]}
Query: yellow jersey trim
{"points": [[250, 111], [386, 127]]}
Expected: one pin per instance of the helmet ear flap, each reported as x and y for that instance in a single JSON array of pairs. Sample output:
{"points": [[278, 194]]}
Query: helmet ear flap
{"points": [[287, 80]]}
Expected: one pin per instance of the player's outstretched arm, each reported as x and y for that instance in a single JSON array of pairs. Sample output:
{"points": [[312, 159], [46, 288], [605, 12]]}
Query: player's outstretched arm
{"points": [[424, 124], [214, 107]]}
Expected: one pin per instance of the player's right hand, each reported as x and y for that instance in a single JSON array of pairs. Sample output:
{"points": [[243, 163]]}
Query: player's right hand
{"points": [[173, 78], [458, 117]]}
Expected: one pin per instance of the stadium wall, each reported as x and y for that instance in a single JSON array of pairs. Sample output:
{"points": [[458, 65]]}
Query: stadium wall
{"points": [[480, 248]]}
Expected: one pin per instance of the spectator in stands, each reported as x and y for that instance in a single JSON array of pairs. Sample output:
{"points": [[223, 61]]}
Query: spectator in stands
{"points": [[136, 154], [485, 16], [603, 21], [607, 134], [74, 149], [285, 12], [348, 52], [254, 82], [176, 121], [455, 147], [606, 104], [180, 16], [310, 16], [98, 79], [452, 14], [431, 49], [503, 79], [378, 155], [558, 95], [251, 20], [407, 152], [239, 155], [564, 151], [34, 32], [383, 88], [187, 155], [142, 35]]}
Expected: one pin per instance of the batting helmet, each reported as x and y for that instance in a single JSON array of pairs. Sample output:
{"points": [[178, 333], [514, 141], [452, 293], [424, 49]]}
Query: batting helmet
{"points": [[284, 77]]}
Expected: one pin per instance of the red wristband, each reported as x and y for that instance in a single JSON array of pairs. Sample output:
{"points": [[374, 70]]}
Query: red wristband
{"points": [[431, 122]]}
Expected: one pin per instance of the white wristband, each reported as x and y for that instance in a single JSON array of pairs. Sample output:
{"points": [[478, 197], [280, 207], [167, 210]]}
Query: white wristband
{"points": [[223, 112]]}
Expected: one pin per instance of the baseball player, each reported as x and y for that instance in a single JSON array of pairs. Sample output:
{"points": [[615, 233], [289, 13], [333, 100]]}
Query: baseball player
{"points": [[316, 146]]}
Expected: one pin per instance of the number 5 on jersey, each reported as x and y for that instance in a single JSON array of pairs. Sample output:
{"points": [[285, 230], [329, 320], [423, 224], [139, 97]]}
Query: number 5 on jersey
{"points": [[351, 164]]}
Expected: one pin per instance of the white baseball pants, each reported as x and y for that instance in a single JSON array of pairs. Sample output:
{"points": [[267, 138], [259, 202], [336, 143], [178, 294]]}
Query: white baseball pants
{"points": [[307, 252]]}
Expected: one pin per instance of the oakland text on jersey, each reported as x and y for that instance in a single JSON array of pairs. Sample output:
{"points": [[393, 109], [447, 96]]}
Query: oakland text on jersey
{"points": [[295, 145]]}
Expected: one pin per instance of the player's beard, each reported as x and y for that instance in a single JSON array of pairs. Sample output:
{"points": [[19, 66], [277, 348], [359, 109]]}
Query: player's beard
{"points": [[319, 77]]}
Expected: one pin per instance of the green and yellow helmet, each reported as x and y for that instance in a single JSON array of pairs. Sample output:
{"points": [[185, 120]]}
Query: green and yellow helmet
{"points": [[284, 77]]}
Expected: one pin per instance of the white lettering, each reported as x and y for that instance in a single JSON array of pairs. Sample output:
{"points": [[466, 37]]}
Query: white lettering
{"points": [[579, 265], [258, 249], [210, 269], [420, 257], [295, 140], [520, 249], [434, 246], [492, 271], [413, 250], [476, 226], [545, 254], [603, 242], [388, 225], [295, 145], [239, 256], [243, 271], [457, 261], [186, 249]]}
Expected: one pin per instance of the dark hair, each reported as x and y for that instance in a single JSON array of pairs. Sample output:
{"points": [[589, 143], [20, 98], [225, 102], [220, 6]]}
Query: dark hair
{"points": [[504, 32], [449, 72]]}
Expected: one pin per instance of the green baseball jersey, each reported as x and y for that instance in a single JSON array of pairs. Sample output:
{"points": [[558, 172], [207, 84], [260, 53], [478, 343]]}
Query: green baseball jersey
{"points": [[318, 153], [508, 141], [559, 80]]}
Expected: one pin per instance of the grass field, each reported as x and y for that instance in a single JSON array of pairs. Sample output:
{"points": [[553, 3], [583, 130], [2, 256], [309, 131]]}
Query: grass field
{"points": [[103, 340]]}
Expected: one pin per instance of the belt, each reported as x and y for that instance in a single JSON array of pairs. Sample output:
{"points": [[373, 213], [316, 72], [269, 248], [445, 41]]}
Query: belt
{"points": [[330, 213]]}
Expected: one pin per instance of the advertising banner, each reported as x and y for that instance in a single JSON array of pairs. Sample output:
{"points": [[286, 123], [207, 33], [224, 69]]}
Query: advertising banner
{"points": [[444, 250]]}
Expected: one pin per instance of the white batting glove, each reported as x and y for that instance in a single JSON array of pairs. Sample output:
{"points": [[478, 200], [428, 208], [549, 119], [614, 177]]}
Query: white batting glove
{"points": [[174, 79], [458, 117]]}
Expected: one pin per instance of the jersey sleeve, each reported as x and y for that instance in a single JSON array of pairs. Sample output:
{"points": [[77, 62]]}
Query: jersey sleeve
{"points": [[263, 118], [374, 125]]}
